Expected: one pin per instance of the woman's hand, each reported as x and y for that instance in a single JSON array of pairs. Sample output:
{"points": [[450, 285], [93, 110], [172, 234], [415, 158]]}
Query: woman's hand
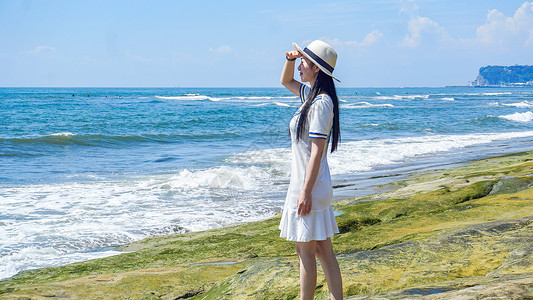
{"points": [[293, 54], [305, 202]]}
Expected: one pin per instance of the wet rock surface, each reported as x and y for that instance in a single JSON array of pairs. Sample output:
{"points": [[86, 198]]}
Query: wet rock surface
{"points": [[509, 185], [496, 254], [493, 258], [515, 286]]}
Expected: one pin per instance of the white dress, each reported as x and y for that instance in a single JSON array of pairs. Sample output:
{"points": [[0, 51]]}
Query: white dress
{"points": [[320, 223]]}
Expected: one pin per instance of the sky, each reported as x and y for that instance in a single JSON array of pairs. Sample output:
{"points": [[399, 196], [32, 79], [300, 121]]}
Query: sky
{"points": [[380, 43]]}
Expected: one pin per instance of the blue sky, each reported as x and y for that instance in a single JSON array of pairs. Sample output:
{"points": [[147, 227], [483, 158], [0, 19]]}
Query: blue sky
{"points": [[381, 43]]}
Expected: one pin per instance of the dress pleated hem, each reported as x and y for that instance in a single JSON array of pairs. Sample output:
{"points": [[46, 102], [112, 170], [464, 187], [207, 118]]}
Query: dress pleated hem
{"points": [[318, 225]]}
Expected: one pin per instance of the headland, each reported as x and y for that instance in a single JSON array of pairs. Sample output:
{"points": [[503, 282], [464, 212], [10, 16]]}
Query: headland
{"points": [[504, 76]]}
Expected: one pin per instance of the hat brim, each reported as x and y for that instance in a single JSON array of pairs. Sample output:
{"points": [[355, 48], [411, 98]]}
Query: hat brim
{"points": [[314, 61]]}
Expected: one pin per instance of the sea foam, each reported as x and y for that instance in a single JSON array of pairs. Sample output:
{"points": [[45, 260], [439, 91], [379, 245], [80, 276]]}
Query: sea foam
{"points": [[496, 94], [189, 97], [524, 103], [77, 219], [281, 104], [218, 178], [519, 117], [365, 104], [401, 97], [363, 155]]}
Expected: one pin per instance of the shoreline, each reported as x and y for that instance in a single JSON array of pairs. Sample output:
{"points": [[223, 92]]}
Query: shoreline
{"points": [[379, 180], [170, 260], [376, 180]]}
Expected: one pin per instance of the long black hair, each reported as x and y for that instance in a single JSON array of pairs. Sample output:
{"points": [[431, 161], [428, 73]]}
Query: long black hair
{"points": [[323, 84]]}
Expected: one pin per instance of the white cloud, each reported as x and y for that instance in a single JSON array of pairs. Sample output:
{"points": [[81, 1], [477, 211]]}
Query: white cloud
{"points": [[225, 49], [500, 30], [42, 51], [370, 39], [137, 58], [409, 7], [422, 29]]}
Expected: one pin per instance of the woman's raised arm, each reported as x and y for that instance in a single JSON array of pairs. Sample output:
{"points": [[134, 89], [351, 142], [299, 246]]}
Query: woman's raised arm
{"points": [[287, 75]]}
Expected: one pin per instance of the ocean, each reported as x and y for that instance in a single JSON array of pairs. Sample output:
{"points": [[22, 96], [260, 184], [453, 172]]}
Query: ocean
{"points": [[83, 170]]}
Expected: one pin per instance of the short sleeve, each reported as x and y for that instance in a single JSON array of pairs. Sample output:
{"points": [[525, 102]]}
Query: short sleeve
{"points": [[304, 92], [320, 117]]}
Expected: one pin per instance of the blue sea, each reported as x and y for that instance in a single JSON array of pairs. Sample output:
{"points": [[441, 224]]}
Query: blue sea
{"points": [[83, 170]]}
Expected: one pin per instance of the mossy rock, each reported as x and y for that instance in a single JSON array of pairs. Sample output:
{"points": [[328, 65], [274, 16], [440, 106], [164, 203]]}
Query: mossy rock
{"points": [[509, 185], [262, 278], [514, 286], [356, 224]]}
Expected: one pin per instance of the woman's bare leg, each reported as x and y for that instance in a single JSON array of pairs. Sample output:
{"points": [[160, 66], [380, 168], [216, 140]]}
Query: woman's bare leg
{"points": [[306, 253], [324, 252]]}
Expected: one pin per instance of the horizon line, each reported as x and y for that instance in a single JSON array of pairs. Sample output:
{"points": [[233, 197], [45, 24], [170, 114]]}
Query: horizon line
{"points": [[237, 87]]}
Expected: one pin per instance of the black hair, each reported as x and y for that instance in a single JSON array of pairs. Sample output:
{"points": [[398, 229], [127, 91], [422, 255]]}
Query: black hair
{"points": [[323, 84]]}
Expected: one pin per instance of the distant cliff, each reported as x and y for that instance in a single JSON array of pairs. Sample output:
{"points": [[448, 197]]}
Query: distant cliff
{"points": [[505, 76]]}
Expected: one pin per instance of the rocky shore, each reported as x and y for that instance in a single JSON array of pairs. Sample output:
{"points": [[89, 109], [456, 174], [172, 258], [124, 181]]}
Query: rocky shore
{"points": [[461, 233]]}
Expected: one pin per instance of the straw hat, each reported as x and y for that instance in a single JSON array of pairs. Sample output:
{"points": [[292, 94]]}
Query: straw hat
{"points": [[321, 54]]}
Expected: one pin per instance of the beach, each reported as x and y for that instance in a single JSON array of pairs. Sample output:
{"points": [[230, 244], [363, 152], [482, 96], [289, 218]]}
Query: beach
{"points": [[86, 171], [440, 234]]}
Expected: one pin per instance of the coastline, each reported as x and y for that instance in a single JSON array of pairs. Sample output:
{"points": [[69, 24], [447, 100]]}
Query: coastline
{"points": [[75, 186], [248, 260]]}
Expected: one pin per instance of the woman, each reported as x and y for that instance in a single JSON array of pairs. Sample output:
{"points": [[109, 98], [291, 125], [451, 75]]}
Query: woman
{"points": [[308, 217]]}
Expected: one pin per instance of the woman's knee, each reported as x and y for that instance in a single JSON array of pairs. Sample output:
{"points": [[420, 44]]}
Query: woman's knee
{"points": [[324, 249], [306, 249]]}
